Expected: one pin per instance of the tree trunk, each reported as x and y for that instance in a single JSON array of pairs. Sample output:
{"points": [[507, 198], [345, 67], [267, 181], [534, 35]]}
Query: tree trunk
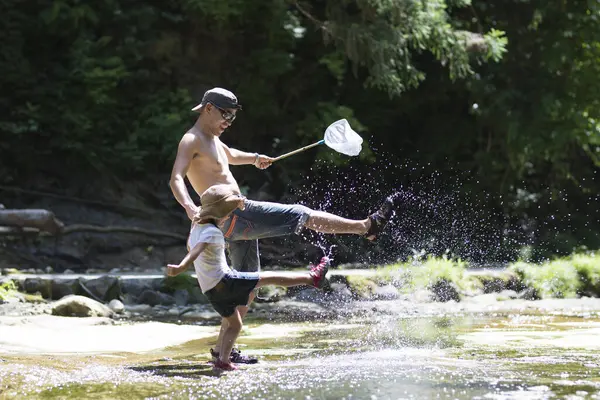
{"points": [[43, 220]]}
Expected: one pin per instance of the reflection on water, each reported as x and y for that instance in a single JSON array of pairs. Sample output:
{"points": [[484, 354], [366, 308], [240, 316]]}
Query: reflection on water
{"points": [[390, 358]]}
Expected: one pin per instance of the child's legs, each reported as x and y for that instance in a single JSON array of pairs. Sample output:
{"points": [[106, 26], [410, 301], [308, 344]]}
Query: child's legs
{"points": [[286, 280], [244, 285], [242, 310], [231, 327]]}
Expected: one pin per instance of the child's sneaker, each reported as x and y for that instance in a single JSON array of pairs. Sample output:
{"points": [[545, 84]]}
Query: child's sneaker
{"points": [[319, 271], [225, 366]]}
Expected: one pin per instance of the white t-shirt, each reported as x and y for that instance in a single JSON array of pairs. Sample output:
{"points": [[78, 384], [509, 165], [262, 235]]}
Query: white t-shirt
{"points": [[211, 264]]}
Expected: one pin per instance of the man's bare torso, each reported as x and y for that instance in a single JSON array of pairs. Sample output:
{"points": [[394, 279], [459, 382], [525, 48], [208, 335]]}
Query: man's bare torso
{"points": [[209, 165]]}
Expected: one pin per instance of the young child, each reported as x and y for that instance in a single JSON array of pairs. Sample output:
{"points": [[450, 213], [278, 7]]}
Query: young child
{"points": [[225, 288]]}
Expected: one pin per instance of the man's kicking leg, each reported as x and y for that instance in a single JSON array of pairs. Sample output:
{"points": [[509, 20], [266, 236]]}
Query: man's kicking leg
{"points": [[370, 227]]}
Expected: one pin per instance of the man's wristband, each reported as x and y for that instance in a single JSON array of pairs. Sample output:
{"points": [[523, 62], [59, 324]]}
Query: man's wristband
{"points": [[256, 155]]}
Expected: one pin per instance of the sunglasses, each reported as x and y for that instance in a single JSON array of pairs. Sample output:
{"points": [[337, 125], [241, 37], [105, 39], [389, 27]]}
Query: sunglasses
{"points": [[227, 115]]}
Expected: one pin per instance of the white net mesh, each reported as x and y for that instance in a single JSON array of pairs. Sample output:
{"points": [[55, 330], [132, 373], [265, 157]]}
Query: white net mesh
{"points": [[342, 138]]}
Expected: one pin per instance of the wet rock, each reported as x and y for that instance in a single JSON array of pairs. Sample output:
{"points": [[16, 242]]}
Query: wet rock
{"points": [[105, 288], [117, 306], [139, 308], [270, 294], [310, 294], [38, 285], [65, 287], [135, 287], [387, 292], [155, 298], [200, 315], [339, 292], [80, 306], [529, 294], [181, 296], [10, 271], [197, 297], [128, 299], [494, 285], [507, 294], [444, 290]]}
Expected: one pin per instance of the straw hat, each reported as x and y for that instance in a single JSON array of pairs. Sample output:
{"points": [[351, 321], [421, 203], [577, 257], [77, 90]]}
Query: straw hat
{"points": [[219, 201]]}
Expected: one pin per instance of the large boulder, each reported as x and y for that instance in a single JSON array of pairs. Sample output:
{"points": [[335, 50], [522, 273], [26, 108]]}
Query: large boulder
{"points": [[80, 306], [65, 287]]}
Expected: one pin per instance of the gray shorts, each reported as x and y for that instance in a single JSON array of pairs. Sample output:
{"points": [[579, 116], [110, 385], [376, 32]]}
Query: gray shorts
{"points": [[259, 220]]}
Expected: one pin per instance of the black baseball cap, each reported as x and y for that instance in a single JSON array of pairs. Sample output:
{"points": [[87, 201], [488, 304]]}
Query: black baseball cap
{"points": [[219, 97]]}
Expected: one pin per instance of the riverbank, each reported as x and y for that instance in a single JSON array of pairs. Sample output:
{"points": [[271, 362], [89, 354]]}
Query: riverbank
{"points": [[438, 280]]}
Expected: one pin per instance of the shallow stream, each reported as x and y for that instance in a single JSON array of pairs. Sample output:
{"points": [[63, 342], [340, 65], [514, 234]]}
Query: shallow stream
{"points": [[483, 355]]}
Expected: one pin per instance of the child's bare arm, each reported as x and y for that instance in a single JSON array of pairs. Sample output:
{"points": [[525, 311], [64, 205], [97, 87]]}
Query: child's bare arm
{"points": [[176, 269]]}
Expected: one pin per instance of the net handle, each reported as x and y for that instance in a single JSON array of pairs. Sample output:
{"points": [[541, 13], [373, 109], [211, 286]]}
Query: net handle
{"points": [[291, 153]]}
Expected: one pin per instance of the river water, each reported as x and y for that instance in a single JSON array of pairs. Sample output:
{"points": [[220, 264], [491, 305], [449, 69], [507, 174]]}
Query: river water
{"points": [[497, 353]]}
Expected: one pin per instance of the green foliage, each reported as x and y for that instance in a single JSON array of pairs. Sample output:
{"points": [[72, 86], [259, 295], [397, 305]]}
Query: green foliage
{"points": [[588, 269], [7, 290], [181, 281], [566, 277], [385, 37], [424, 274], [538, 105], [436, 269], [562, 278]]}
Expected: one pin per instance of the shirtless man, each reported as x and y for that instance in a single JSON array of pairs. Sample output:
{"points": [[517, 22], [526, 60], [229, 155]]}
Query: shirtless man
{"points": [[205, 160]]}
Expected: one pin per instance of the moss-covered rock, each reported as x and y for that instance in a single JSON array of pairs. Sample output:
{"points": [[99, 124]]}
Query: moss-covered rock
{"points": [[496, 281], [361, 287]]}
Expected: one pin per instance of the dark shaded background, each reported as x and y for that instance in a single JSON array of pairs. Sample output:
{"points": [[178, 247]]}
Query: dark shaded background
{"points": [[498, 164]]}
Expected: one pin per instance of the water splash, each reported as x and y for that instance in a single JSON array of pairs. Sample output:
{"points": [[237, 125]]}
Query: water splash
{"points": [[451, 213]]}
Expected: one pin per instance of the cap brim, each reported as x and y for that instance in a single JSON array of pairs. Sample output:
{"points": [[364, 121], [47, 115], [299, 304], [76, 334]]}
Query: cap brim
{"points": [[199, 107]]}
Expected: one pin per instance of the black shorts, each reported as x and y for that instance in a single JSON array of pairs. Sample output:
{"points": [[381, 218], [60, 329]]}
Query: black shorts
{"points": [[232, 291]]}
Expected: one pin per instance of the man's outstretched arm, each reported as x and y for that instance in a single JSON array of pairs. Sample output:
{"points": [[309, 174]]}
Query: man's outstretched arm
{"points": [[185, 153], [238, 157]]}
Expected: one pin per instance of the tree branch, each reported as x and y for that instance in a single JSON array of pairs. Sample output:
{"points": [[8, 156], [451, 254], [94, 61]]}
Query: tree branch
{"points": [[308, 15], [121, 229]]}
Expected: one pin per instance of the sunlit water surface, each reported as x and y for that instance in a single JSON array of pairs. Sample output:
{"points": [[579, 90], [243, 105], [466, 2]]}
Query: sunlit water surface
{"points": [[482, 356]]}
